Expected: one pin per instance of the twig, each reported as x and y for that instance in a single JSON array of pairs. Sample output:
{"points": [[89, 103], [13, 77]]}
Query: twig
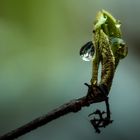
{"points": [[72, 106]]}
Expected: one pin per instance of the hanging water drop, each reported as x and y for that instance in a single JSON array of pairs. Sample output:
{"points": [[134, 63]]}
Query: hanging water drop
{"points": [[87, 51]]}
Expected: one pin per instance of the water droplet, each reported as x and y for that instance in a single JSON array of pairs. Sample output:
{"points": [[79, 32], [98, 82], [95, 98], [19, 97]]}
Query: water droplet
{"points": [[87, 51], [87, 57]]}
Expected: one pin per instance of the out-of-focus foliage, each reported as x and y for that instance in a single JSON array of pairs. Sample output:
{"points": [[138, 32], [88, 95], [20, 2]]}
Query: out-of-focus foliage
{"points": [[40, 67]]}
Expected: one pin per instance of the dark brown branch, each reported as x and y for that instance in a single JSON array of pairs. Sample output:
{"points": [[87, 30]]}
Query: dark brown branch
{"points": [[72, 106]]}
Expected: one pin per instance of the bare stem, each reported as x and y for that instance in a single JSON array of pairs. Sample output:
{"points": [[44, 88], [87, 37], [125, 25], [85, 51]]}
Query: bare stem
{"points": [[72, 106]]}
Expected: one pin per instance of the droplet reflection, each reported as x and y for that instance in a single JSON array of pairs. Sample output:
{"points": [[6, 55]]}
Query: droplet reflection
{"points": [[87, 51]]}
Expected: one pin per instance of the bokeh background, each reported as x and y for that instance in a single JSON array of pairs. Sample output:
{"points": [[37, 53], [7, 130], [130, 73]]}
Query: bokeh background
{"points": [[40, 67]]}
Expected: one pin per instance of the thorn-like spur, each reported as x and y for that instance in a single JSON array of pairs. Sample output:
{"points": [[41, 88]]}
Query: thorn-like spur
{"points": [[90, 92], [87, 85]]}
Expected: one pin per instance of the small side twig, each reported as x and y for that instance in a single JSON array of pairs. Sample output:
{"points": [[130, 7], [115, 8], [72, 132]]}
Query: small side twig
{"points": [[101, 121], [72, 106]]}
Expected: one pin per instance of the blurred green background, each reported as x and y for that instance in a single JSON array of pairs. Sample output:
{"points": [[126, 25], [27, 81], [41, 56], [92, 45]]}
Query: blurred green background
{"points": [[40, 67]]}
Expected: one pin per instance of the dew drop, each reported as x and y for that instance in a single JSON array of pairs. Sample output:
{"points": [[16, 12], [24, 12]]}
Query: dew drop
{"points": [[87, 57], [87, 51]]}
